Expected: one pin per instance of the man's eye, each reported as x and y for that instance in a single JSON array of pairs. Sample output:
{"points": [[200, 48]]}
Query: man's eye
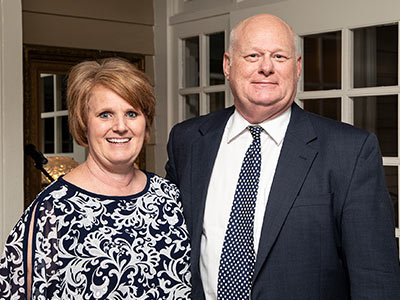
{"points": [[132, 114], [280, 57], [105, 115], [252, 57]]}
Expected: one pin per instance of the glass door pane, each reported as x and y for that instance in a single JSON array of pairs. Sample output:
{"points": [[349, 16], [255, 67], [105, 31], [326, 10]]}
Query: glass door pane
{"points": [[191, 62], [61, 92], [378, 114], [192, 106], [47, 92], [216, 54], [48, 135], [65, 141], [330, 108], [375, 56], [216, 101], [322, 61], [56, 138]]}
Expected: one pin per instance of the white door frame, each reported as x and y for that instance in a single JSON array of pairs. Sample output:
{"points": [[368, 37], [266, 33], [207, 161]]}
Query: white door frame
{"points": [[11, 117]]}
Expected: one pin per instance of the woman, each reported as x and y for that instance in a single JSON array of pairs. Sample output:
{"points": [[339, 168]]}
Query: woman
{"points": [[106, 230]]}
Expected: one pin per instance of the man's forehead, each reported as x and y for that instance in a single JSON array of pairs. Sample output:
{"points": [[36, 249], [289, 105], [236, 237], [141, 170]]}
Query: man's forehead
{"points": [[265, 37], [264, 43]]}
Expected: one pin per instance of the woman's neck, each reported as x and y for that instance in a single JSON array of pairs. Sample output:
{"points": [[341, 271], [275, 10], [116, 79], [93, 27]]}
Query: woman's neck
{"points": [[100, 180]]}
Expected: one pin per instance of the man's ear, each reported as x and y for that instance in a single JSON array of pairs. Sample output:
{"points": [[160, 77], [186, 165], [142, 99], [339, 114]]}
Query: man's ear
{"points": [[298, 66], [227, 65]]}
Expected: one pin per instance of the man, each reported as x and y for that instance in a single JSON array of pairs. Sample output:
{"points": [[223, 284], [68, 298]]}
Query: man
{"points": [[323, 221]]}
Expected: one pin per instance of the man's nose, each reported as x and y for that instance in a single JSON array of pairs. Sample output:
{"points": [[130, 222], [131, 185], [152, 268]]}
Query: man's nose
{"points": [[266, 65]]}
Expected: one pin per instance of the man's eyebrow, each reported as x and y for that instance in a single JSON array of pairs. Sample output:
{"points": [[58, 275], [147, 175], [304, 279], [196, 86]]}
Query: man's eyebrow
{"points": [[247, 51]]}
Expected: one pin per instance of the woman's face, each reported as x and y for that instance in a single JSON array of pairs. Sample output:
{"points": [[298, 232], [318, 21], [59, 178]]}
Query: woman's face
{"points": [[115, 130]]}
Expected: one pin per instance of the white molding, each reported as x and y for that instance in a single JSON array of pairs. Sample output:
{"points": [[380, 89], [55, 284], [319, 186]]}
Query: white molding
{"points": [[358, 92], [11, 112], [201, 9], [162, 80]]}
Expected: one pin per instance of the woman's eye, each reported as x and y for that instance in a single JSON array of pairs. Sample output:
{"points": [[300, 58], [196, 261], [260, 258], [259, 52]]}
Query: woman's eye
{"points": [[132, 114], [105, 115]]}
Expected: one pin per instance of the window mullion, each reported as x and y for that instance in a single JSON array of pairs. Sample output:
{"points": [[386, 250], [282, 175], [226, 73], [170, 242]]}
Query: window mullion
{"points": [[347, 75], [55, 106], [203, 73]]}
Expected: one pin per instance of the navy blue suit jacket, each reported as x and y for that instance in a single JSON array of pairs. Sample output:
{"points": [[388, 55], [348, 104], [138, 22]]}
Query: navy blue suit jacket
{"points": [[328, 230]]}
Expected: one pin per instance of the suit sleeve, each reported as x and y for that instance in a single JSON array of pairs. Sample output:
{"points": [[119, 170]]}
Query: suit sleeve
{"points": [[170, 167], [369, 246]]}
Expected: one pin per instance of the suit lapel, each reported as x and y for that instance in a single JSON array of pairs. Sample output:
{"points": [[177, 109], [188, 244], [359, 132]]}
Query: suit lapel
{"points": [[204, 152], [294, 163]]}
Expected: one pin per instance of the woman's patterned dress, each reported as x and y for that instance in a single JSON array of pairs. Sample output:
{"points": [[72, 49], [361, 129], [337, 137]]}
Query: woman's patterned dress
{"points": [[89, 246]]}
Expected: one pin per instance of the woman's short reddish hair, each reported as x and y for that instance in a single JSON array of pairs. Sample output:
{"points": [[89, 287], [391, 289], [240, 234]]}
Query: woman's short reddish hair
{"points": [[116, 74]]}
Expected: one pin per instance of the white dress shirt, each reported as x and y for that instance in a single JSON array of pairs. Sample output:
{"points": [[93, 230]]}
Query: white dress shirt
{"points": [[235, 141]]}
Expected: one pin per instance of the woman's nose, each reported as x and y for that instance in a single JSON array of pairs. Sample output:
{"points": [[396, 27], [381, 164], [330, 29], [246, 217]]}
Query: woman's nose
{"points": [[119, 124]]}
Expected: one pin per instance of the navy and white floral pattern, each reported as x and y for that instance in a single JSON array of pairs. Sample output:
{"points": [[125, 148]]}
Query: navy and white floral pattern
{"points": [[89, 246]]}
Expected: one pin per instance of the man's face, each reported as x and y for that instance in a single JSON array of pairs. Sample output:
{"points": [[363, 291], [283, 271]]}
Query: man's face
{"points": [[263, 68]]}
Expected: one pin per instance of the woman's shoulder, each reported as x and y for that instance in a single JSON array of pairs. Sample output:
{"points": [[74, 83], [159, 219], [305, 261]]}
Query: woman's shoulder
{"points": [[159, 180], [162, 186], [55, 191]]}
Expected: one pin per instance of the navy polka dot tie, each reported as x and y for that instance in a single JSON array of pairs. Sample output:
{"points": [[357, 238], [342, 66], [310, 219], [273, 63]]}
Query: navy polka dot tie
{"points": [[238, 257]]}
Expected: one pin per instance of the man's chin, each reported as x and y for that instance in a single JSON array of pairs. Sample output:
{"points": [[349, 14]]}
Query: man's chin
{"points": [[264, 101]]}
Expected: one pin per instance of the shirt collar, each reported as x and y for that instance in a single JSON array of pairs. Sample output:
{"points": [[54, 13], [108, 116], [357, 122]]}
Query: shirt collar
{"points": [[275, 128]]}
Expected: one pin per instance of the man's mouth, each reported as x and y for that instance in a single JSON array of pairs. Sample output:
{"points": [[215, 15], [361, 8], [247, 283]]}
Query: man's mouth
{"points": [[264, 83]]}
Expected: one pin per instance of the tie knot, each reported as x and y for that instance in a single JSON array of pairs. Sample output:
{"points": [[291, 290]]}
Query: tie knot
{"points": [[255, 131]]}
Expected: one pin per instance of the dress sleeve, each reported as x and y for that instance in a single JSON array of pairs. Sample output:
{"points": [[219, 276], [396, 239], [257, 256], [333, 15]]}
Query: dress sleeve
{"points": [[12, 261], [42, 256], [45, 258]]}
